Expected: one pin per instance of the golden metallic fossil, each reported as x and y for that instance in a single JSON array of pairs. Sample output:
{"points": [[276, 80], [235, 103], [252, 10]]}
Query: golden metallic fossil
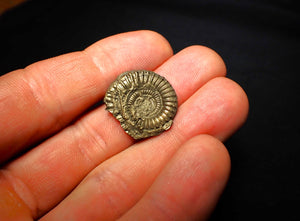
{"points": [[144, 102]]}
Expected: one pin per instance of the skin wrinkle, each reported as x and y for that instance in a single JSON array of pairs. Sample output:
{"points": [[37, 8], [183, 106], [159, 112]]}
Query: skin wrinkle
{"points": [[33, 88], [104, 178], [22, 190], [159, 202], [86, 86], [31, 91], [6, 99], [99, 65], [93, 136], [42, 89], [43, 85], [36, 90]]}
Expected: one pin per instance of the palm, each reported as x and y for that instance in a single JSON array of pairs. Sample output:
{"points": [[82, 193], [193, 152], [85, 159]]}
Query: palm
{"points": [[86, 168]]}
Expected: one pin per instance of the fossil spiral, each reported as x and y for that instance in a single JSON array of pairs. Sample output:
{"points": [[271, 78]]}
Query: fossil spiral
{"points": [[144, 102]]}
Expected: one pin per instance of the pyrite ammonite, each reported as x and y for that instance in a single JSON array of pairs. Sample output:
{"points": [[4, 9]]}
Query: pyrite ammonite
{"points": [[144, 102]]}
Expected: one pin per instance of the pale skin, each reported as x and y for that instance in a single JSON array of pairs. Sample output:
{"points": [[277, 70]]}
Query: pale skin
{"points": [[62, 162]]}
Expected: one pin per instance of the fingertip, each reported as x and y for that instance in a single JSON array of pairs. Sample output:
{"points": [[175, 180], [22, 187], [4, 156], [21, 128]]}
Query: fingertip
{"points": [[212, 62], [219, 108], [189, 186], [235, 103], [205, 165], [212, 150], [155, 38], [149, 42], [191, 68], [210, 164]]}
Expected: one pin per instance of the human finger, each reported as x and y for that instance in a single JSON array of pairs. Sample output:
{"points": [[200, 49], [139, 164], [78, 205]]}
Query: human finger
{"points": [[189, 187], [39, 100], [97, 136], [218, 108]]}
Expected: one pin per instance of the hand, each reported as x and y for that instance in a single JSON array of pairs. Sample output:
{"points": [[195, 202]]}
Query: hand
{"points": [[81, 165]]}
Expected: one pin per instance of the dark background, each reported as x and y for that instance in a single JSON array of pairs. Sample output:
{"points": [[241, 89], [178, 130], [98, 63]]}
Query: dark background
{"points": [[260, 46]]}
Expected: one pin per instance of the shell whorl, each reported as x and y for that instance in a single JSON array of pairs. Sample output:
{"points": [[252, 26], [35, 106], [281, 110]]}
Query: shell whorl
{"points": [[144, 102]]}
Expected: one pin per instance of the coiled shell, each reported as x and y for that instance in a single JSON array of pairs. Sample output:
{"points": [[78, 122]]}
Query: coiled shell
{"points": [[144, 102]]}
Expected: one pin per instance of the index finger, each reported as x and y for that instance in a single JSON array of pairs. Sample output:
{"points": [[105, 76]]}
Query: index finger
{"points": [[39, 100]]}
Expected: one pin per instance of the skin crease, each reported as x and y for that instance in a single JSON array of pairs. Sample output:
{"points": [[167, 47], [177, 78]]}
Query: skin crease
{"points": [[92, 153]]}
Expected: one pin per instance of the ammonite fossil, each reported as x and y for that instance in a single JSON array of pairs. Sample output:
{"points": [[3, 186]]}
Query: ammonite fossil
{"points": [[144, 102]]}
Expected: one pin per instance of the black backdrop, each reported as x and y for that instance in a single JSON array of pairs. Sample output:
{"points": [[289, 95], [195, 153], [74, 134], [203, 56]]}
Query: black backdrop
{"points": [[260, 46]]}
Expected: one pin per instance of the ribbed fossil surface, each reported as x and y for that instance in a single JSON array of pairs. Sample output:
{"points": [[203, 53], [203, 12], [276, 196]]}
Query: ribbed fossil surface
{"points": [[144, 102]]}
